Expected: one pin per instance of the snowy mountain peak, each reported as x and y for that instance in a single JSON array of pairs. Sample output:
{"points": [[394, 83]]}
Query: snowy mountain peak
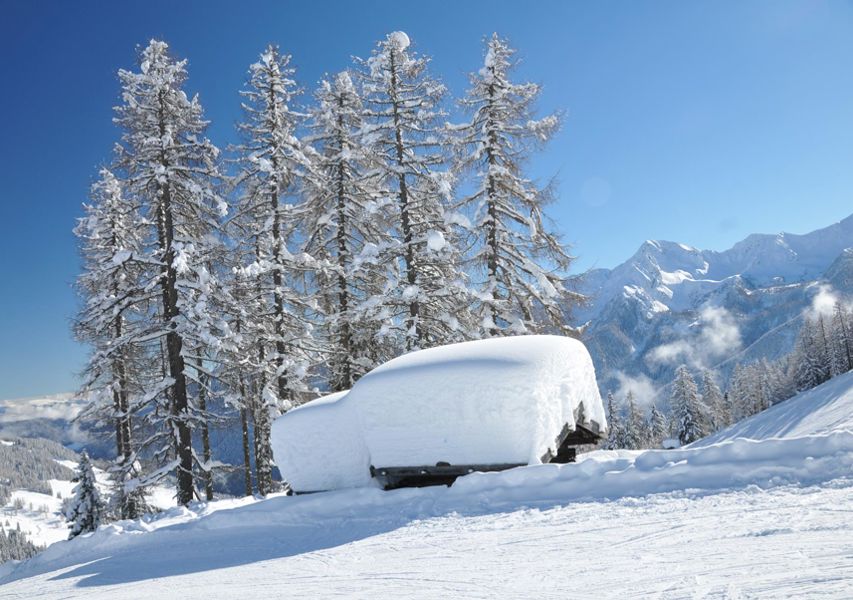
{"points": [[659, 308], [659, 267]]}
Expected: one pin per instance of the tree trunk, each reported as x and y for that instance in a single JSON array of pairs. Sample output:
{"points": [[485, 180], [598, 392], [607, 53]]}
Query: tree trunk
{"points": [[205, 432], [492, 229], [345, 335], [182, 435], [405, 220], [247, 464]]}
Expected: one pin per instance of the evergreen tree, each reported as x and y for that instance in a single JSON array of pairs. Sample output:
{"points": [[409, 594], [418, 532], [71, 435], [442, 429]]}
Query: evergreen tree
{"points": [[345, 224], [633, 430], [173, 171], [740, 394], [688, 411], [273, 162], [810, 359], [14, 545], [658, 427], [712, 397], [615, 429], [842, 341], [520, 265], [426, 294], [276, 330], [115, 288], [84, 512]]}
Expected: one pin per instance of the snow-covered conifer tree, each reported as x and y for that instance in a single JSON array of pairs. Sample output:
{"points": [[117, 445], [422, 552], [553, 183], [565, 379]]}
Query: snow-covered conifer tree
{"points": [[172, 169], [115, 287], [810, 360], [633, 429], [276, 330], [658, 427], [687, 408], [519, 265], [344, 226], [426, 290], [740, 391], [842, 341], [615, 428], [712, 397], [84, 512]]}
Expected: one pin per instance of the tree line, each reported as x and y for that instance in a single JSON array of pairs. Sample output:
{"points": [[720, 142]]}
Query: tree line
{"points": [[823, 349], [343, 230]]}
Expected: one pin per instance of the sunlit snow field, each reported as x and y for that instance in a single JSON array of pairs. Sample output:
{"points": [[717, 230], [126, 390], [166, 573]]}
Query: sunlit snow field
{"points": [[770, 516]]}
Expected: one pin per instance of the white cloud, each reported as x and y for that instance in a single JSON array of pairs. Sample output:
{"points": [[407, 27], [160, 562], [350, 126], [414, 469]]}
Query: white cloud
{"points": [[718, 336], [823, 303], [642, 387]]}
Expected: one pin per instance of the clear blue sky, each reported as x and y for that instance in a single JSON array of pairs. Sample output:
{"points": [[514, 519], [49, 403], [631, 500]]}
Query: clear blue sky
{"points": [[694, 121]]}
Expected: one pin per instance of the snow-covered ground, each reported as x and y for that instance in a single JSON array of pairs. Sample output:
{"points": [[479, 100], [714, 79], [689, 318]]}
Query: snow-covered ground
{"points": [[40, 516], [765, 517]]}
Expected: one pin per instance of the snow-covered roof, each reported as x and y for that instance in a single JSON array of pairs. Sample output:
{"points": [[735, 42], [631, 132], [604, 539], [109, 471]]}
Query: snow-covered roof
{"points": [[496, 401]]}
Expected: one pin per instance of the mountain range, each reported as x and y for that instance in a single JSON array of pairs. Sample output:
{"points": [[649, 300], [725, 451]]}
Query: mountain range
{"points": [[672, 304]]}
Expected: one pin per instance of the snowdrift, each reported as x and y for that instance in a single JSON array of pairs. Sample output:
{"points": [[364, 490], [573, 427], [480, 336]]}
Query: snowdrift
{"points": [[489, 402], [824, 409]]}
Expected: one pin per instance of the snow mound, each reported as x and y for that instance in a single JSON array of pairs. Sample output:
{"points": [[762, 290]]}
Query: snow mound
{"points": [[496, 401], [824, 409], [399, 39]]}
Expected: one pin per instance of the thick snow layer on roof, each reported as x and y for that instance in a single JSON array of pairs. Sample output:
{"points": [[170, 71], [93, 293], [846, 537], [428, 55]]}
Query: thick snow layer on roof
{"points": [[495, 401], [319, 446]]}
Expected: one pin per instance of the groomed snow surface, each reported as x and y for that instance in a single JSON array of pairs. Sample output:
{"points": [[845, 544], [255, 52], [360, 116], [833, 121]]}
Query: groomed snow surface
{"points": [[496, 401], [770, 517]]}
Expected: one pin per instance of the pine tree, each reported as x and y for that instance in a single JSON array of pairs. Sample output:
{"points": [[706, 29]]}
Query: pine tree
{"points": [[521, 266], [273, 162], [633, 429], [173, 171], [740, 394], [615, 429], [114, 286], [712, 397], [687, 408], [84, 512], [345, 224], [425, 295], [841, 341], [279, 311], [810, 358], [658, 427]]}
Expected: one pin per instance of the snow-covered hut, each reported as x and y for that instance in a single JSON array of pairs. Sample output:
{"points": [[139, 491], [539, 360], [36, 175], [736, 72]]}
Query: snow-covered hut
{"points": [[432, 415]]}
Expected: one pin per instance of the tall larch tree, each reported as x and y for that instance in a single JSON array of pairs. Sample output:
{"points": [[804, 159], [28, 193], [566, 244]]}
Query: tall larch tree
{"points": [[114, 286], [345, 224], [520, 265], [173, 170], [426, 290], [273, 163]]}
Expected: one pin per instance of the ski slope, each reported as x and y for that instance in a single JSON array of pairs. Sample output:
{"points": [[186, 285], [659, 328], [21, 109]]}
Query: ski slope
{"points": [[739, 517]]}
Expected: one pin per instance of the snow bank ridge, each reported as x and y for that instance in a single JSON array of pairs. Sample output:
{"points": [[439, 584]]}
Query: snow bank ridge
{"points": [[731, 464]]}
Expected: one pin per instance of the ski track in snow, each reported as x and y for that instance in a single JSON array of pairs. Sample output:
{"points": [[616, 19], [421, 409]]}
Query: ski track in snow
{"points": [[784, 542], [770, 517]]}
